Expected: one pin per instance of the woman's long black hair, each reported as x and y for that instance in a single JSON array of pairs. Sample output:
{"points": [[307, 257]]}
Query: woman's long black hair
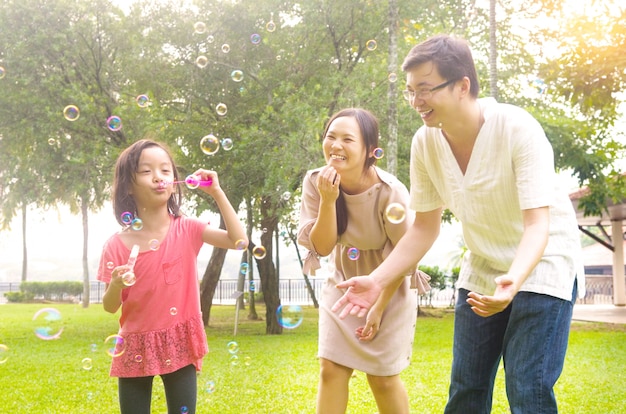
{"points": [[368, 124]]}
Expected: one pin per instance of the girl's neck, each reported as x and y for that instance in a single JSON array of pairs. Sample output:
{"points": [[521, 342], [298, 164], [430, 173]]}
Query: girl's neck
{"points": [[153, 219]]}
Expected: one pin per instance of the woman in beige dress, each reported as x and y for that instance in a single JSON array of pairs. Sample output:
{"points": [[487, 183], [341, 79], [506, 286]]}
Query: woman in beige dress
{"points": [[344, 215]]}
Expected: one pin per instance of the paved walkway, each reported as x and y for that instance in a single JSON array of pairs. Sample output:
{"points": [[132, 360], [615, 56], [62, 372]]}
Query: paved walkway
{"points": [[600, 313]]}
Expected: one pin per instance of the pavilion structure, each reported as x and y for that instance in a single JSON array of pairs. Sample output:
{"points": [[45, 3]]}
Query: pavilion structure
{"points": [[613, 217]]}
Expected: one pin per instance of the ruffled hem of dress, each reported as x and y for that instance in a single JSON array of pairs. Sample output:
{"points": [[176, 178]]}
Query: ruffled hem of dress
{"points": [[161, 352]]}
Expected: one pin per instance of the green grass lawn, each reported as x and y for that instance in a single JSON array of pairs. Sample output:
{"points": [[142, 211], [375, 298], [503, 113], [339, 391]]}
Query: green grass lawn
{"points": [[272, 373]]}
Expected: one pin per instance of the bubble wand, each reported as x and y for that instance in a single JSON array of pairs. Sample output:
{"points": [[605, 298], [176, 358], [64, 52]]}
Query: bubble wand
{"points": [[129, 278], [191, 181]]}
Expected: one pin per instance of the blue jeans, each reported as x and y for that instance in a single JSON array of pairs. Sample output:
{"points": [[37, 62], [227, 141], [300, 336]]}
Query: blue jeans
{"points": [[530, 335]]}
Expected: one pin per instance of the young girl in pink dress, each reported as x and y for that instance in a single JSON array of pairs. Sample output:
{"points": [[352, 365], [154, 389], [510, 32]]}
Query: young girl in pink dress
{"points": [[161, 322]]}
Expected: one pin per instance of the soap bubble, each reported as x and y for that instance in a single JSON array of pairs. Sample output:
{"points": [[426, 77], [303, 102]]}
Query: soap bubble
{"points": [[199, 27], [4, 353], [290, 317], [353, 253], [236, 75], [173, 311], [3, 72], [210, 386], [127, 217], [192, 182], [128, 278], [202, 61], [371, 45], [137, 224], [225, 48], [255, 38], [221, 109], [227, 144], [395, 213], [270, 26], [115, 345], [114, 123], [244, 268], [48, 324], [153, 244], [87, 364], [233, 347], [71, 112], [259, 252], [142, 101], [379, 153], [241, 244], [393, 78], [209, 144]]}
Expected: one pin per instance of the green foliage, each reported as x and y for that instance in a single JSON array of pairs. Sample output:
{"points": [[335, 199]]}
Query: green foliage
{"points": [[58, 291], [18, 297]]}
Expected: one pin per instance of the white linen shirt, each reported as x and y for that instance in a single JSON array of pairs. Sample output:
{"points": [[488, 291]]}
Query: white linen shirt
{"points": [[511, 169]]}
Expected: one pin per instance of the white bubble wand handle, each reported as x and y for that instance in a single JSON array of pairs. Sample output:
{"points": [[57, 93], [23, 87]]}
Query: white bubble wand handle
{"points": [[128, 278]]}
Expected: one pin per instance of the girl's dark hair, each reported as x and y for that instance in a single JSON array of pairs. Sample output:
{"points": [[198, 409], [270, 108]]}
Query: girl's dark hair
{"points": [[368, 125], [125, 170], [451, 56]]}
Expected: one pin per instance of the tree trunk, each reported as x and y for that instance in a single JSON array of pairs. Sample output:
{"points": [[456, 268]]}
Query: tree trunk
{"points": [[392, 92], [209, 282], [267, 270], [493, 51], [24, 249], [294, 240], [210, 278], [252, 314], [84, 209]]}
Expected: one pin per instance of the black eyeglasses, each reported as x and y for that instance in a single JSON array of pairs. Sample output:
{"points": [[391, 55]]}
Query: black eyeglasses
{"points": [[425, 93]]}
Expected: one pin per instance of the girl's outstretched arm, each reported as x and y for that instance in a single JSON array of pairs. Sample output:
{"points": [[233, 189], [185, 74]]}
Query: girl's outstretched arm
{"points": [[234, 237]]}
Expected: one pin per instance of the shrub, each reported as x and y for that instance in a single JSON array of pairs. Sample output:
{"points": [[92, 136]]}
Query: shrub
{"points": [[59, 291]]}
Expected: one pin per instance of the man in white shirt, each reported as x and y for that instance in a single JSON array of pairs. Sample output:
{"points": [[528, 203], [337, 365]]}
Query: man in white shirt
{"points": [[493, 167]]}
